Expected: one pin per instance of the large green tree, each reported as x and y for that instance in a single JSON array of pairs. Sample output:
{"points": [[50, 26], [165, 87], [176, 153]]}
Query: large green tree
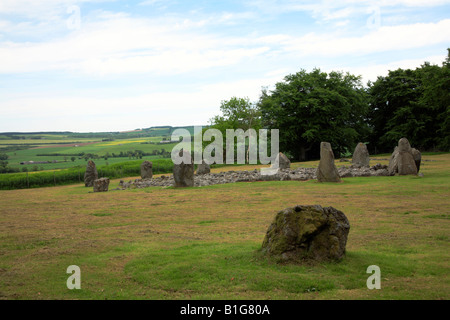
{"points": [[413, 104], [237, 113], [312, 107]]}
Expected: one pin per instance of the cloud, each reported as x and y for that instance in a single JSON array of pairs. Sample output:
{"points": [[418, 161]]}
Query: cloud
{"points": [[151, 2], [42, 9], [329, 10], [83, 112], [384, 39], [175, 68], [117, 43]]}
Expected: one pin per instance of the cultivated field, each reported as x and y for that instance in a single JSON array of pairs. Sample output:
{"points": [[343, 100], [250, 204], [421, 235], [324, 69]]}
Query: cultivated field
{"points": [[44, 152], [202, 243]]}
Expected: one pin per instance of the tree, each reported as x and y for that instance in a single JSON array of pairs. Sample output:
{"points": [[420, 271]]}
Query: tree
{"points": [[393, 115], [3, 160], [436, 99], [237, 113], [414, 104], [73, 159], [309, 108]]}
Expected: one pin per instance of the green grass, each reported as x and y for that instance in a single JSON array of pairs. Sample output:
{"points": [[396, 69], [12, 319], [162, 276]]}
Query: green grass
{"points": [[203, 243]]}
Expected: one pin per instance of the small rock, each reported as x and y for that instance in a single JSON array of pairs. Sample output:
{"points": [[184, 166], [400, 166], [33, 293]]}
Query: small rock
{"points": [[101, 185]]}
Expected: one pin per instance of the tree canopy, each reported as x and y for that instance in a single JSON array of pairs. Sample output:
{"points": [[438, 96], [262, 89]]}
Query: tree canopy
{"points": [[312, 107], [413, 104], [237, 113], [336, 107]]}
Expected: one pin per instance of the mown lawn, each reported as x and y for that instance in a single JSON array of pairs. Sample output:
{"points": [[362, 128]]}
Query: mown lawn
{"points": [[202, 243]]}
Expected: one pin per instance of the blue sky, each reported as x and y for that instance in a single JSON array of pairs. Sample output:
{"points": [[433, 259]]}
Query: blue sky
{"points": [[104, 65]]}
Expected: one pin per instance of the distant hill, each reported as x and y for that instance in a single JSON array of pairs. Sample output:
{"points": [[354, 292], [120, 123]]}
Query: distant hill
{"points": [[136, 133]]}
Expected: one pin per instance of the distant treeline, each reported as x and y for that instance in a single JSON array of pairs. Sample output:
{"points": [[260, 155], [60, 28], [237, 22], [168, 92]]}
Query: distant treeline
{"points": [[12, 148], [16, 137], [149, 132], [127, 154], [108, 136]]}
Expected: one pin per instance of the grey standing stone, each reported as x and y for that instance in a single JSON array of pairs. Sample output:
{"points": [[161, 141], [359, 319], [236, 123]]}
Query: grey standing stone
{"points": [[417, 158], [91, 174], [203, 168], [101, 185], [404, 160], [307, 233], [283, 161], [393, 162], [327, 171], [183, 173], [404, 146], [406, 164], [146, 170], [361, 156]]}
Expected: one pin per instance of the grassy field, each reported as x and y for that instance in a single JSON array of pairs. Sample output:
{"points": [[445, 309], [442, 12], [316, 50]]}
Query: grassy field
{"points": [[202, 243]]}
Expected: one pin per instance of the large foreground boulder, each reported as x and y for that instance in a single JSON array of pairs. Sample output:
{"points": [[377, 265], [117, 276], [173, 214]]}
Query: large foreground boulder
{"points": [[183, 173], [361, 156], [327, 171], [101, 185], [91, 174], [307, 233], [146, 170]]}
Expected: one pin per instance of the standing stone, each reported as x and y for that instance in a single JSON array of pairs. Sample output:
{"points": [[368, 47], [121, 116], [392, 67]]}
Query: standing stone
{"points": [[360, 156], [393, 162], [146, 170], [283, 161], [307, 232], [406, 164], [404, 146], [417, 158], [183, 173], [91, 174], [403, 159], [203, 168], [101, 185], [327, 171]]}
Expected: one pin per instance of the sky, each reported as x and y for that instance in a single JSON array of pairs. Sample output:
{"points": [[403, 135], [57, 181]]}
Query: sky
{"points": [[105, 65]]}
